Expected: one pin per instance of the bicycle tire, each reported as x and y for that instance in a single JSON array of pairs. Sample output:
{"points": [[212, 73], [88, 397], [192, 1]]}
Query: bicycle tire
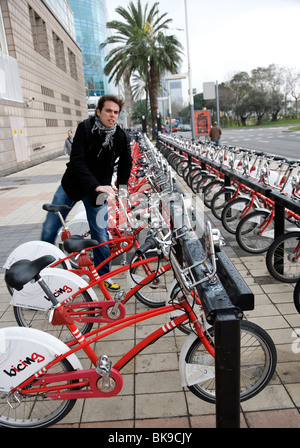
{"points": [[188, 171], [232, 213], [296, 296], [174, 160], [257, 366], [152, 294], [247, 235], [36, 411], [185, 171], [27, 317], [172, 156], [210, 190], [220, 199], [280, 258], [196, 178], [181, 167], [204, 181], [195, 170]]}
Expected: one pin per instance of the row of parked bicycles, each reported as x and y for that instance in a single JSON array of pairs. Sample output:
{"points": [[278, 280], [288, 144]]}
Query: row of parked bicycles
{"points": [[62, 307], [244, 211]]}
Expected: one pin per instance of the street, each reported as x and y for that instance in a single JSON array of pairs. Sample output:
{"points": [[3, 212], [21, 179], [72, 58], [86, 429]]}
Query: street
{"points": [[272, 140]]}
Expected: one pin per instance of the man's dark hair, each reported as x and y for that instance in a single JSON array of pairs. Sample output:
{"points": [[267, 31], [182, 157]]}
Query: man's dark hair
{"points": [[113, 98]]}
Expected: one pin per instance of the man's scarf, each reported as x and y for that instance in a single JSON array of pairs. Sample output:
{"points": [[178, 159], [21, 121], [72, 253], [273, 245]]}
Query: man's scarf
{"points": [[108, 132]]}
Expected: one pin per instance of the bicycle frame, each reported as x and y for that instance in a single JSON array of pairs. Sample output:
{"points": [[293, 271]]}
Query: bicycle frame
{"points": [[51, 384], [104, 380]]}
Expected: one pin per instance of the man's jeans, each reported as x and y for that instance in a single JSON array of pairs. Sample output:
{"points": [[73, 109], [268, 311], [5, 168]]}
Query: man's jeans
{"points": [[98, 227]]}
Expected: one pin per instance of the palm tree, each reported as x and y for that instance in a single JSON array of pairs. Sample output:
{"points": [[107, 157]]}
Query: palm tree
{"points": [[143, 48]]}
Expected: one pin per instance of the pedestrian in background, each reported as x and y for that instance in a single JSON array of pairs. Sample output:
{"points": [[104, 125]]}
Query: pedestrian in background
{"points": [[215, 133], [68, 143]]}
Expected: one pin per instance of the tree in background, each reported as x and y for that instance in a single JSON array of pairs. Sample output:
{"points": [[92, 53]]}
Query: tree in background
{"points": [[143, 47]]}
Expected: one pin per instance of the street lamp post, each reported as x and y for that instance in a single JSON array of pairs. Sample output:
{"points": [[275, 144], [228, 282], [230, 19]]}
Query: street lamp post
{"points": [[191, 100]]}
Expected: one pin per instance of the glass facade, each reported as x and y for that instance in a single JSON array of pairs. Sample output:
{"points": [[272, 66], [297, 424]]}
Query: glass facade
{"points": [[90, 27], [62, 10]]}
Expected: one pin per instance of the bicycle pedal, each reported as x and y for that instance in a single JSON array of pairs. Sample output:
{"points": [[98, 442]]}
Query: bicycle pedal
{"points": [[119, 295], [103, 366]]}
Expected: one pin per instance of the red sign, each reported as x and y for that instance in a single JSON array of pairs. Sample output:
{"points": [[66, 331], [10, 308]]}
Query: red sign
{"points": [[202, 122]]}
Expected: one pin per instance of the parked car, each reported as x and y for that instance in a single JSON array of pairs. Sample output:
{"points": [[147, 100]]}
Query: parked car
{"points": [[185, 127]]}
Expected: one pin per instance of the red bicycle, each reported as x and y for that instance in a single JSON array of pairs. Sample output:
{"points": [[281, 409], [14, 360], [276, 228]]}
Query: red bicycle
{"points": [[41, 377]]}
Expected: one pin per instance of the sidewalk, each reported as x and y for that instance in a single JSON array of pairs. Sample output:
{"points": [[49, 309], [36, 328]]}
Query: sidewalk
{"points": [[152, 396]]}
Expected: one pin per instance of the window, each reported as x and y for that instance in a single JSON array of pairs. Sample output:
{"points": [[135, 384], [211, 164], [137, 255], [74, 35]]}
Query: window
{"points": [[59, 52], [72, 62], [49, 107], [51, 123], [39, 34], [46, 91]]}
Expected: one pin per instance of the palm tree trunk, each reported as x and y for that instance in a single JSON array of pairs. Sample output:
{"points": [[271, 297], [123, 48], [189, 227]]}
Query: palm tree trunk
{"points": [[153, 94]]}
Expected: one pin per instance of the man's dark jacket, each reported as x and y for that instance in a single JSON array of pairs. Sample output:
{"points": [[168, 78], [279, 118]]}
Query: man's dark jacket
{"points": [[92, 165]]}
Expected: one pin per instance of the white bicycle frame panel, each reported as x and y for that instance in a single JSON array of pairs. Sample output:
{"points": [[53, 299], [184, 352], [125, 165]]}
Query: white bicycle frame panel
{"points": [[62, 283], [25, 351]]}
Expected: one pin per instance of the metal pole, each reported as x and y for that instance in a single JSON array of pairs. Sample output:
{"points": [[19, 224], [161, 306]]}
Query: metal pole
{"points": [[189, 74], [227, 366], [218, 107], [170, 106]]}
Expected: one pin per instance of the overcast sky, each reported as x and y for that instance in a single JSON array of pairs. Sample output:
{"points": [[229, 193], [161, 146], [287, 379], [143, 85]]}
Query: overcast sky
{"points": [[229, 36]]}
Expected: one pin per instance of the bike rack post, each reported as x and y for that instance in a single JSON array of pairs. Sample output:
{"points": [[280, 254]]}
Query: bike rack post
{"points": [[227, 329], [225, 317]]}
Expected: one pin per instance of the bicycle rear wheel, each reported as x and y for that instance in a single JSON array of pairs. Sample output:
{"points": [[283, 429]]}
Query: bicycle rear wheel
{"points": [[35, 410], [283, 258], [27, 317], [255, 232], [258, 363]]}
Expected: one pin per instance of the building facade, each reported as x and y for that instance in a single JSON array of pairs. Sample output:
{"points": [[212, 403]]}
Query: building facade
{"points": [[42, 87]]}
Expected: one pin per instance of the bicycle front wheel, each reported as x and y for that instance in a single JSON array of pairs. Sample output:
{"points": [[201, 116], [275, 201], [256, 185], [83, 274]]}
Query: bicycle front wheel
{"points": [[232, 213], [258, 363], [283, 258], [35, 410], [220, 199], [152, 294], [297, 296], [255, 232]]}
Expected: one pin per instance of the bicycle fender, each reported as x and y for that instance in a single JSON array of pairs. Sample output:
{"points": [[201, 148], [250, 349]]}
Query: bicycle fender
{"points": [[191, 374], [78, 226], [261, 209], [62, 283], [33, 250], [26, 351]]}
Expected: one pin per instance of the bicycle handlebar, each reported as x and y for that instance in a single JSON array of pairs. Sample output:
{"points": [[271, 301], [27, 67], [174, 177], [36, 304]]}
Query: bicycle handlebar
{"points": [[150, 243]]}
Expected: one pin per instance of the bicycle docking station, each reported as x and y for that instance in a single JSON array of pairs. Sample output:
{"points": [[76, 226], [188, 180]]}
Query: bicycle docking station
{"points": [[224, 297], [282, 202]]}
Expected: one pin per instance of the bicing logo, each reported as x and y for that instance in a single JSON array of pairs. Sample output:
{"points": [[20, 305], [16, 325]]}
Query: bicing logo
{"points": [[22, 364]]}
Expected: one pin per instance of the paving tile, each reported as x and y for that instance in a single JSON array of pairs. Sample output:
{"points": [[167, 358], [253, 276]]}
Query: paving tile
{"points": [[152, 396], [170, 404], [284, 418]]}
